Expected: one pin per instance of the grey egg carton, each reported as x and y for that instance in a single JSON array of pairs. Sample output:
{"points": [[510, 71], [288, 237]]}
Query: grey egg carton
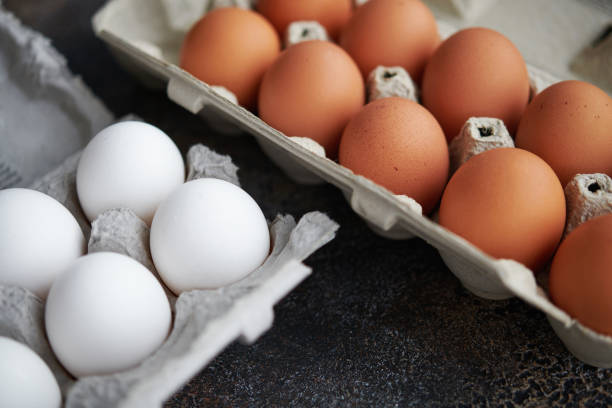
{"points": [[47, 112], [204, 321], [44, 105], [139, 33]]}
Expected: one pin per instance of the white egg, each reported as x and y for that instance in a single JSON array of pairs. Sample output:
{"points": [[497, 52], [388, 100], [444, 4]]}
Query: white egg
{"points": [[105, 314], [39, 239], [25, 380], [128, 165], [208, 233]]}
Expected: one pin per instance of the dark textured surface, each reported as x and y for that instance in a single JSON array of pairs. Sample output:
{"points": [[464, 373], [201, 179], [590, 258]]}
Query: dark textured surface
{"points": [[379, 323]]}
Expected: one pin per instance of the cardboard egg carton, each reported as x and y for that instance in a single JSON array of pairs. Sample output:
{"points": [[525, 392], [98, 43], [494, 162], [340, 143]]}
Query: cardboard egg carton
{"points": [[61, 108], [47, 112], [204, 321], [132, 28]]}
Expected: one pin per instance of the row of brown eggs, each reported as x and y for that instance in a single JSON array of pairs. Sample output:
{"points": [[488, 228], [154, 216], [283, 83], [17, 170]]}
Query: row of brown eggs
{"points": [[508, 202]]}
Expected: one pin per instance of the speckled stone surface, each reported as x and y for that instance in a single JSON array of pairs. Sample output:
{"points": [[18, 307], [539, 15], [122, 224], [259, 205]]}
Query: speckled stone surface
{"points": [[379, 323]]}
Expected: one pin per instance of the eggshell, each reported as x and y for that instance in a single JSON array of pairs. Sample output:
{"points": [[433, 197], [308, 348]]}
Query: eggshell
{"points": [[39, 238], [580, 279], [128, 165], [398, 144], [25, 379], [207, 234], [475, 72], [569, 125], [105, 314], [507, 202], [391, 33], [331, 14], [312, 90], [233, 48]]}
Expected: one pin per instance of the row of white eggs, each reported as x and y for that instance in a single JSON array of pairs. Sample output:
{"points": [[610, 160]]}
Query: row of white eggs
{"points": [[106, 312]]}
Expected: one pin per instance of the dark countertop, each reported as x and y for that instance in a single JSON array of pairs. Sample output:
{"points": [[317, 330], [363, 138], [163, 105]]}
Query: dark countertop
{"points": [[379, 323]]}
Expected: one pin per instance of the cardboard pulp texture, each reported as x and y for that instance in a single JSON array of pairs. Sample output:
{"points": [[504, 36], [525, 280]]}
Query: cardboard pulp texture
{"points": [[139, 33], [47, 113]]}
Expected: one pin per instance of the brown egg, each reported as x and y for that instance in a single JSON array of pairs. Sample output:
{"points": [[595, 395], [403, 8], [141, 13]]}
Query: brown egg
{"points": [[391, 33], [569, 125], [312, 90], [507, 202], [331, 14], [581, 276], [233, 48], [398, 144], [475, 72]]}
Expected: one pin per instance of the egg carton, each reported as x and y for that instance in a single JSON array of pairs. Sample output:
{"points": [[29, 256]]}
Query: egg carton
{"points": [[138, 32], [47, 113], [42, 152], [204, 321]]}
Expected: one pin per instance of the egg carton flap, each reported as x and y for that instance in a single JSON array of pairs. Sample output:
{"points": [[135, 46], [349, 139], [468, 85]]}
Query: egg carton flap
{"points": [[156, 36], [47, 113]]}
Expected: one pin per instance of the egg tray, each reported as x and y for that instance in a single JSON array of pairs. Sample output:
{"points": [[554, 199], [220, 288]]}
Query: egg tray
{"points": [[47, 113], [140, 36], [204, 321], [62, 115]]}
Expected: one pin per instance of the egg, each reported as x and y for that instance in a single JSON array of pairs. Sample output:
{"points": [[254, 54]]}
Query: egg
{"points": [[580, 280], [398, 144], [331, 14], [569, 125], [509, 203], [233, 48], [105, 314], [128, 165], [312, 90], [25, 380], [391, 33], [207, 234], [475, 72], [39, 238]]}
